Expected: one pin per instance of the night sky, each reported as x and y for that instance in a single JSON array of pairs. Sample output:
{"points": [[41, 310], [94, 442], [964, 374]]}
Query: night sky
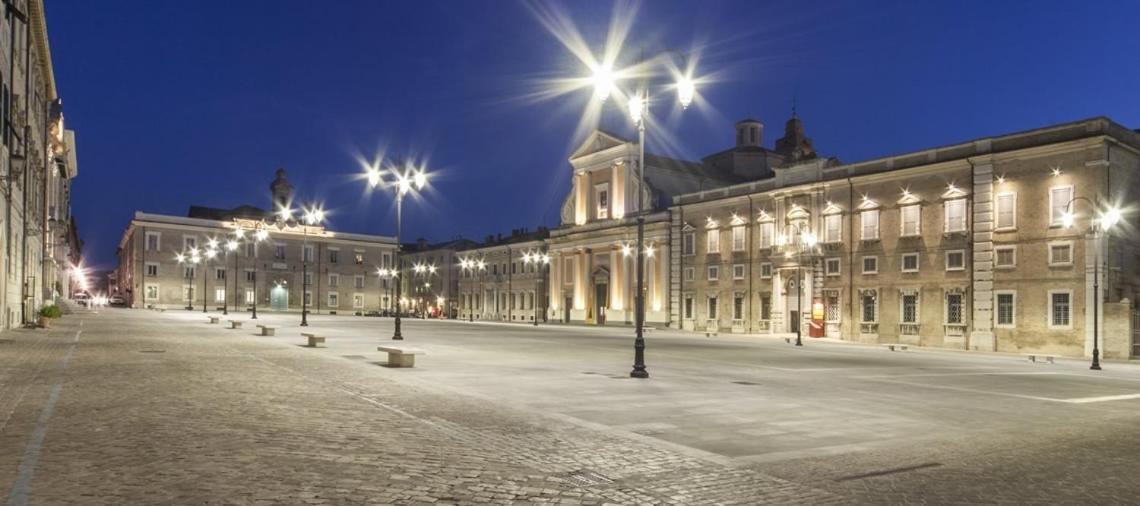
{"points": [[180, 103]]}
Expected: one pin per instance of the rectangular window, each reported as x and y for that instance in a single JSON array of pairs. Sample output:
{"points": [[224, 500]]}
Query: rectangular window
{"points": [[249, 297], [765, 307], [870, 225], [219, 295], [767, 230], [713, 241], [832, 309], [220, 274], [307, 253], [279, 252], [334, 256], [712, 308], [602, 195], [954, 308], [189, 243], [765, 270], [151, 292], [870, 265], [738, 238], [1060, 308], [188, 272], [386, 260], [250, 249], [358, 281], [910, 308], [738, 308], [1005, 257], [738, 271], [831, 266], [1059, 198], [358, 258], [308, 279], [955, 215], [1060, 253], [334, 299], [153, 241], [688, 307], [868, 305], [1003, 315], [250, 275], [833, 228], [358, 300], [151, 270], [334, 280], [688, 243], [910, 262], [714, 273], [690, 274], [1006, 216], [911, 218], [955, 260]]}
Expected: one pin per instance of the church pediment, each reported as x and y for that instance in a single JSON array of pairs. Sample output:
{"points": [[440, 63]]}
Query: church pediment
{"points": [[596, 142]]}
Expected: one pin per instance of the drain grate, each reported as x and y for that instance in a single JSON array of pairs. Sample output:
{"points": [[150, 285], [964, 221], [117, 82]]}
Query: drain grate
{"points": [[355, 357], [152, 351], [586, 479], [746, 383]]}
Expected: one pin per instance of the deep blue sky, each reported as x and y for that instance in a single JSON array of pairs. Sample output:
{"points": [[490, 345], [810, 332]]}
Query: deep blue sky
{"points": [[198, 102]]}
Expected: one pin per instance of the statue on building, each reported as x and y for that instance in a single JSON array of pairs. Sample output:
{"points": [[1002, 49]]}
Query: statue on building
{"points": [[282, 190]]}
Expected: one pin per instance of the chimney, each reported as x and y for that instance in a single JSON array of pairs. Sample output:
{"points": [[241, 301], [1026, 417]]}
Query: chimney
{"points": [[750, 133]]}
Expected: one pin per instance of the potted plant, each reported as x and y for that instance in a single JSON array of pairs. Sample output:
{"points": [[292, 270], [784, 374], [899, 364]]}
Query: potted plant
{"points": [[49, 313]]}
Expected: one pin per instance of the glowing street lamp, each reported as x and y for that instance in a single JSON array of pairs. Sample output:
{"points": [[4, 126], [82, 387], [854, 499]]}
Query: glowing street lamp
{"points": [[209, 254], [406, 181], [542, 261], [1097, 228], [311, 217], [258, 236], [605, 81]]}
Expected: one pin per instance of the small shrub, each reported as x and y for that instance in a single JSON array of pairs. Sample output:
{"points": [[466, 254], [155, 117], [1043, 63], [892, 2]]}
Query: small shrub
{"points": [[51, 311]]}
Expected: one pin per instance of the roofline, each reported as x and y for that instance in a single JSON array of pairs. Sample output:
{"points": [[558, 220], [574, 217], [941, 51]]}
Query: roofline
{"points": [[40, 37], [981, 146], [141, 218]]}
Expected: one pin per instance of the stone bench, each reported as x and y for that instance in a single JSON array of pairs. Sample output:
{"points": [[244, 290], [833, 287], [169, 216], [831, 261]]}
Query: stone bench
{"points": [[1039, 357], [894, 346], [400, 357], [314, 339], [268, 330], [214, 319], [235, 324]]}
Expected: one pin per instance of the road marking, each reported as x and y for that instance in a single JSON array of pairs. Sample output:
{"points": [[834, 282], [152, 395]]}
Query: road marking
{"points": [[20, 489], [1106, 398]]}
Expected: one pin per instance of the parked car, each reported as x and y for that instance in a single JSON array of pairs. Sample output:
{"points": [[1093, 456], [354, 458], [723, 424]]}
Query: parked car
{"points": [[83, 298], [117, 300]]}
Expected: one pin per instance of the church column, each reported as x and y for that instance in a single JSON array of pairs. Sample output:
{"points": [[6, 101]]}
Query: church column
{"points": [[582, 196], [617, 287], [662, 273], [618, 190], [776, 312], [554, 288]]}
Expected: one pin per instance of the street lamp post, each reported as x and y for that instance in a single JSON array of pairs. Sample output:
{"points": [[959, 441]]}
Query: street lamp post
{"points": [[258, 236], [311, 217], [806, 241], [1097, 228], [183, 259], [604, 81], [210, 254], [541, 261], [404, 182]]}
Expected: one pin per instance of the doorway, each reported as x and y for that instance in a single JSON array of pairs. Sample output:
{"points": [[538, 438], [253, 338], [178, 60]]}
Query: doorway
{"points": [[566, 309], [279, 298]]}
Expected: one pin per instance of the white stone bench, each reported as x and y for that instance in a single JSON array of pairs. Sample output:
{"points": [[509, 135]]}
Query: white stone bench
{"points": [[400, 357], [894, 346], [235, 324], [268, 330], [1039, 357], [214, 319], [314, 339]]}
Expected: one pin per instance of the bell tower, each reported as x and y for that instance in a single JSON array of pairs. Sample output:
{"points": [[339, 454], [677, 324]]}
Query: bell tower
{"points": [[282, 191]]}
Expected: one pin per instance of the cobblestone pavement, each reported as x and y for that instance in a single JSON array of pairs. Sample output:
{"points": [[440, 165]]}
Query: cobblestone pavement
{"points": [[133, 407]]}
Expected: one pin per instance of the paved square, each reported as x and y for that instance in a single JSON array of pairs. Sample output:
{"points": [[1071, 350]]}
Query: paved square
{"points": [[125, 406]]}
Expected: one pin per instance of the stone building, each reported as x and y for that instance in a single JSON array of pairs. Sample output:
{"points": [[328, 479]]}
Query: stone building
{"points": [[962, 246], [276, 262], [511, 283], [431, 276], [37, 160]]}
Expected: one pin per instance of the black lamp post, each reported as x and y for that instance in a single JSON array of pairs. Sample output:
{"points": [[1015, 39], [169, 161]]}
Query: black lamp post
{"points": [[407, 180], [258, 236], [1097, 228]]}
